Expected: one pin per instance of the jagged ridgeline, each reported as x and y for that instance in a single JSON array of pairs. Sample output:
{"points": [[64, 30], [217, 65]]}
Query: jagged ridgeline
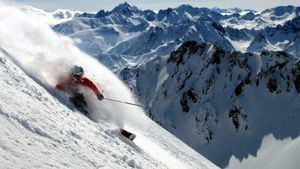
{"points": [[129, 34], [204, 94]]}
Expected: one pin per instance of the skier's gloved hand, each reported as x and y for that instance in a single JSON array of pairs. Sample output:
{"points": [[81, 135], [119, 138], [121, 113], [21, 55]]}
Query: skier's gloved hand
{"points": [[100, 96]]}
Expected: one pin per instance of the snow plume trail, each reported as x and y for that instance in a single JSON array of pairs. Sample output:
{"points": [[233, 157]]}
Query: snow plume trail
{"points": [[47, 56]]}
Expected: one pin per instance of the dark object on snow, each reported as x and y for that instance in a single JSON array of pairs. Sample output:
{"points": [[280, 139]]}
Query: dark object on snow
{"points": [[127, 134], [100, 96], [80, 103]]}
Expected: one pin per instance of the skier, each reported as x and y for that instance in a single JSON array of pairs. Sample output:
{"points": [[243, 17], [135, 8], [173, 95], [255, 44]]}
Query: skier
{"points": [[72, 84]]}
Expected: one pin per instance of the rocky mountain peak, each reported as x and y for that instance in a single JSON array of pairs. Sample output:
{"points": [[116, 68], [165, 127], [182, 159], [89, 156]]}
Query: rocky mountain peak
{"points": [[125, 9]]}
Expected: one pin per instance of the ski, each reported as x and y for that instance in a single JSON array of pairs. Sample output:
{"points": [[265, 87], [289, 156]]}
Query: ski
{"points": [[127, 134]]}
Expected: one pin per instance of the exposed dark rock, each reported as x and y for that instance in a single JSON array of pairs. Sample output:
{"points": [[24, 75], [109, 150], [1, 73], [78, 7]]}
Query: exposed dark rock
{"points": [[192, 46], [297, 83], [209, 137], [101, 14], [282, 54], [203, 129], [264, 53], [239, 89], [247, 80], [177, 56], [272, 85], [218, 70], [87, 15], [192, 95], [189, 46], [216, 58], [187, 76], [209, 84], [237, 117], [218, 27], [184, 103], [249, 16], [189, 95]]}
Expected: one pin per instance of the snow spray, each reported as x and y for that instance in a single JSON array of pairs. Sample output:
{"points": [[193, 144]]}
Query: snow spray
{"points": [[46, 56]]}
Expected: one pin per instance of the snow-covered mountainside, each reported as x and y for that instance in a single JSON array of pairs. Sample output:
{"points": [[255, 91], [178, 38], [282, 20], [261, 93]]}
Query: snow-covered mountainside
{"points": [[269, 17], [128, 36], [273, 153], [281, 38], [41, 129], [224, 103]]}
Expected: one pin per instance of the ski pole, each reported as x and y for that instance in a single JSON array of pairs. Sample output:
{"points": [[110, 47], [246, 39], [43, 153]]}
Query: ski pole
{"points": [[122, 102]]}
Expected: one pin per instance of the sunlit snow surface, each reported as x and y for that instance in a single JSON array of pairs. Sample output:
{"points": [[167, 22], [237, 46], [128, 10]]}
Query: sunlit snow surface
{"points": [[273, 153], [39, 127]]}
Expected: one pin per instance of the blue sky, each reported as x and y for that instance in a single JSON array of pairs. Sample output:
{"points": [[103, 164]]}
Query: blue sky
{"points": [[96, 5]]}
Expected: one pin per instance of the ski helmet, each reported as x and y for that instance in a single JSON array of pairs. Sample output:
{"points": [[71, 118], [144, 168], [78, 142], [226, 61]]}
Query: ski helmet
{"points": [[77, 71]]}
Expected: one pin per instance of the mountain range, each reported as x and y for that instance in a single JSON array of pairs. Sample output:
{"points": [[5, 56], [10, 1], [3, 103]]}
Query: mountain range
{"points": [[128, 36]]}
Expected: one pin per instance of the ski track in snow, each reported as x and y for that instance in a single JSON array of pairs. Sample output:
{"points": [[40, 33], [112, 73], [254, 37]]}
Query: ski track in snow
{"points": [[40, 129]]}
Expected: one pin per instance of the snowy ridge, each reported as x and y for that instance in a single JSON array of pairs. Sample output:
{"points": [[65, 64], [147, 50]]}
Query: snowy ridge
{"points": [[218, 101], [41, 129]]}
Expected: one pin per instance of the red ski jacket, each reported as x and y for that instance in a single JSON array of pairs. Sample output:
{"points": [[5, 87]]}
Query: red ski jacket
{"points": [[67, 84]]}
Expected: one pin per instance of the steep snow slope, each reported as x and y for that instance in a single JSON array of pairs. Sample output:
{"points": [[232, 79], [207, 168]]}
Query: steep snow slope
{"points": [[223, 103], [40, 129]]}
